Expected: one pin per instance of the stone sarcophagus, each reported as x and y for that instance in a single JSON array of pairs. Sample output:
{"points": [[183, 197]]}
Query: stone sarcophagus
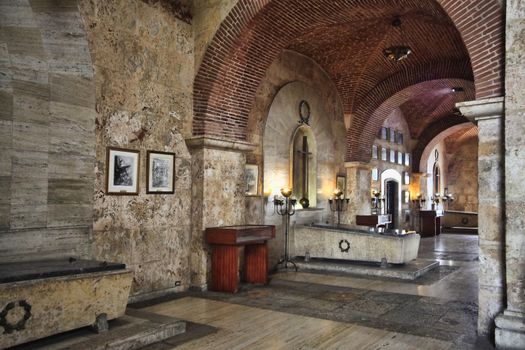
{"points": [[42, 298], [352, 244]]}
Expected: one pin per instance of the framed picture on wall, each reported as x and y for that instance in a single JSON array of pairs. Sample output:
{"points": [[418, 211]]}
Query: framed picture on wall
{"points": [[374, 152], [160, 172], [384, 154], [122, 171], [399, 157], [340, 183], [407, 159], [392, 156], [251, 177], [375, 174], [407, 178]]}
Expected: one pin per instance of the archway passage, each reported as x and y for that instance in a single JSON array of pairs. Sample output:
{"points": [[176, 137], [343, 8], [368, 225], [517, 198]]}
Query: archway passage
{"points": [[447, 41], [391, 187]]}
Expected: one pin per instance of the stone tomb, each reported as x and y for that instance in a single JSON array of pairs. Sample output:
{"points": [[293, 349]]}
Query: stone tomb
{"points": [[320, 241], [42, 298]]}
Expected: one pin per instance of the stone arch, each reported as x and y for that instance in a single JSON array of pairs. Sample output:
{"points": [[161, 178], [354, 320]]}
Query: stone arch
{"points": [[249, 39], [436, 135]]}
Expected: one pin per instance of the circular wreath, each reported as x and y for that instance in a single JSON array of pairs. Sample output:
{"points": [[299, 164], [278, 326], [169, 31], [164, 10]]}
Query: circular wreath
{"points": [[18, 326], [344, 245], [464, 220]]}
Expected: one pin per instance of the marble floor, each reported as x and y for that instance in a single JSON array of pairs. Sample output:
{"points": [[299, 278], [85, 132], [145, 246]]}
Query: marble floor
{"points": [[300, 310]]}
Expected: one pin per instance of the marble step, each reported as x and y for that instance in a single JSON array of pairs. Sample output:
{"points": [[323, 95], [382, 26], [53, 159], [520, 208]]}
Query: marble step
{"points": [[409, 271], [134, 330]]}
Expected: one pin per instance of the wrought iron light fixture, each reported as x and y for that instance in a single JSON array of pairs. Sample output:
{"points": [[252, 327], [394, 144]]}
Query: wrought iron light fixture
{"points": [[398, 52]]}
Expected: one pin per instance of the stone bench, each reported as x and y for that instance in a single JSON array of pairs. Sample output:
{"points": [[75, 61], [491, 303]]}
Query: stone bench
{"points": [[42, 298]]}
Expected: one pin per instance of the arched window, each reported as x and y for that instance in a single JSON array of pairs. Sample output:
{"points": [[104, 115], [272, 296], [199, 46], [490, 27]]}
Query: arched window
{"points": [[304, 166]]}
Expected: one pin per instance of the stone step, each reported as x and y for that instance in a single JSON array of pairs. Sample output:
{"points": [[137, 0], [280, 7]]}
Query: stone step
{"points": [[409, 271], [133, 331]]}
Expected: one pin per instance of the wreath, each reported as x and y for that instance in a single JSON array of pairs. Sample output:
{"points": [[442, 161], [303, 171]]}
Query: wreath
{"points": [[18, 326], [344, 245]]}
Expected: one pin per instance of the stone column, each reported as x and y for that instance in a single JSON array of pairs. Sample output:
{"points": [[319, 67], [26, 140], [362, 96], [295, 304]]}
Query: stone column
{"points": [[488, 114], [358, 179], [510, 331], [218, 197]]}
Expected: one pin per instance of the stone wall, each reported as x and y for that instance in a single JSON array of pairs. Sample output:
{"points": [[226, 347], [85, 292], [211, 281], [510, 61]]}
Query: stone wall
{"points": [[143, 60], [47, 122], [274, 118], [462, 175]]}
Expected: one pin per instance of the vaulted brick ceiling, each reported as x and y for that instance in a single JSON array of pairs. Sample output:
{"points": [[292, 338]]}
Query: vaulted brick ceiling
{"points": [[346, 37]]}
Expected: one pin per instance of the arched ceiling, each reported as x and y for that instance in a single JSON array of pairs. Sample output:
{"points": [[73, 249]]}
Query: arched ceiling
{"points": [[346, 38]]}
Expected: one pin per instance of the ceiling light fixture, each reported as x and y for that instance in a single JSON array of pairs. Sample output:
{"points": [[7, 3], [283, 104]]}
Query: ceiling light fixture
{"points": [[458, 89], [398, 52]]}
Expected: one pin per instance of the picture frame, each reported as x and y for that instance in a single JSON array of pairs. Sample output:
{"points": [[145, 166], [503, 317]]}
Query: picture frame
{"points": [[122, 171], [160, 172], [340, 183], [374, 151], [251, 179]]}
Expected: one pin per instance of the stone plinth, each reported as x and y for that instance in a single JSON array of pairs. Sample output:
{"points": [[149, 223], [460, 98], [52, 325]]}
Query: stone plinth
{"points": [[59, 304], [333, 243]]}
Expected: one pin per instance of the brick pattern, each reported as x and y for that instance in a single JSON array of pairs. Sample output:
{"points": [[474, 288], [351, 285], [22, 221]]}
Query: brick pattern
{"points": [[256, 31]]}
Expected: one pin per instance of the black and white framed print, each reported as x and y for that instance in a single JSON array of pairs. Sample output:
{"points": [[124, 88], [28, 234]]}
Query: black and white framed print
{"points": [[251, 177], [122, 171], [374, 151], [160, 172]]}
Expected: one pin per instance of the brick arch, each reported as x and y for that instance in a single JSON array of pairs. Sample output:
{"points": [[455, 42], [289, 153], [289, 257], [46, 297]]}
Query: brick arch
{"points": [[369, 118], [434, 134], [255, 32]]}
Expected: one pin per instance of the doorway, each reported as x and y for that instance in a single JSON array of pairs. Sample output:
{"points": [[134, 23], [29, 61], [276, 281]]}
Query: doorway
{"points": [[392, 188]]}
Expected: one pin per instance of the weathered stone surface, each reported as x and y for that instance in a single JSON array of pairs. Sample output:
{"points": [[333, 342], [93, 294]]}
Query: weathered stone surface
{"points": [[33, 38], [143, 62], [59, 304]]}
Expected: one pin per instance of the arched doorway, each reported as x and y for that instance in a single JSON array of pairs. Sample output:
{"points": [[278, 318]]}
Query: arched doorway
{"points": [[391, 189]]}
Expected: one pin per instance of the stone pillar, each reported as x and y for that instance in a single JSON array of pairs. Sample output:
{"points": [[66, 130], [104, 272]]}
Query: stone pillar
{"points": [[488, 114], [218, 197], [358, 179], [510, 331]]}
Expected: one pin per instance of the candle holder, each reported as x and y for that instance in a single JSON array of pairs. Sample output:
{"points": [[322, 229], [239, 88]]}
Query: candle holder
{"points": [[377, 203], [338, 204], [286, 208]]}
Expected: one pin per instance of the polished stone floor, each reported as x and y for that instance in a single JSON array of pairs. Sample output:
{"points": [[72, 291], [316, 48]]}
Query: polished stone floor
{"points": [[432, 312]]}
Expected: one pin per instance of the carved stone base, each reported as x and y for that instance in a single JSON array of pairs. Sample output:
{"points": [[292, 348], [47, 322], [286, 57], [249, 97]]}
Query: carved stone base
{"points": [[510, 331]]}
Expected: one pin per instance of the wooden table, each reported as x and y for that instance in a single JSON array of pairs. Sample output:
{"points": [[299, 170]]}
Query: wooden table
{"points": [[225, 243], [373, 220], [430, 222]]}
